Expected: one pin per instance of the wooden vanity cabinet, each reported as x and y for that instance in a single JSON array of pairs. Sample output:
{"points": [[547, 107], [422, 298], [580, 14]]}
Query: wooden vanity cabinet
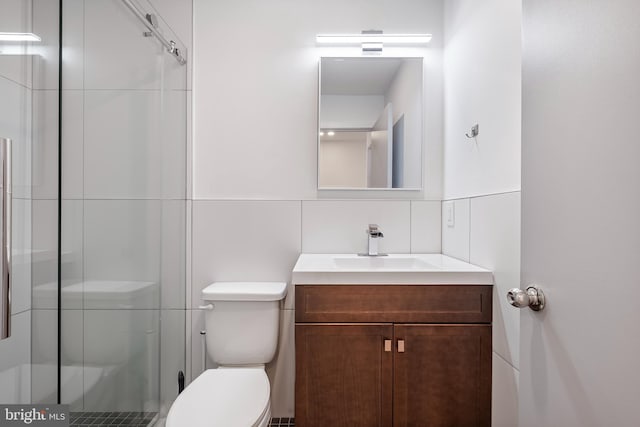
{"points": [[393, 355]]}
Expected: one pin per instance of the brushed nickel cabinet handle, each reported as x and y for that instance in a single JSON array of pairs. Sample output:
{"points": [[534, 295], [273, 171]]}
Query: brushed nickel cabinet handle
{"points": [[400, 346], [5, 282], [387, 346]]}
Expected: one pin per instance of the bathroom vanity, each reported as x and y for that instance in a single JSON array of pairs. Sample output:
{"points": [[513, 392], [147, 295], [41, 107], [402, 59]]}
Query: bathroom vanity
{"points": [[403, 340]]}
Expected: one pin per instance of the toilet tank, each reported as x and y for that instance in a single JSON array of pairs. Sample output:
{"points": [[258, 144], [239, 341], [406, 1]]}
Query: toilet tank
{"points": [[242, 326]]}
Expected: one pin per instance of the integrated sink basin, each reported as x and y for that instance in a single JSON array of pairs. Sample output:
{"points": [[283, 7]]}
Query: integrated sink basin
{"points": [[381, 263], [401, 269]]}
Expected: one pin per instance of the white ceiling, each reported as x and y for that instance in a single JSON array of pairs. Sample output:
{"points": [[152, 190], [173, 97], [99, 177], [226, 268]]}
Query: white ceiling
{"points": [[345, 136], [357, 76]]}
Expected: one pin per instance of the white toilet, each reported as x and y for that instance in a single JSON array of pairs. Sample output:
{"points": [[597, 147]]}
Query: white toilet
{"points": [[242, 335]]}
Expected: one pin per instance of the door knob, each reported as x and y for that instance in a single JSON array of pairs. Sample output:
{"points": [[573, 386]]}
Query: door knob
{"points": [[533, 298]]}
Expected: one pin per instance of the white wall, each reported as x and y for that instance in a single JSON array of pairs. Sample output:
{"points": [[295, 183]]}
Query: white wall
{"points": [[407, 101], [256, 72], [256, 204], [482, 64], [482, 60], [343, 163]]}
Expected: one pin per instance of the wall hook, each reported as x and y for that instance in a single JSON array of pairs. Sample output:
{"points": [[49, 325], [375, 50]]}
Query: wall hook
{"points": [[474, 131]]}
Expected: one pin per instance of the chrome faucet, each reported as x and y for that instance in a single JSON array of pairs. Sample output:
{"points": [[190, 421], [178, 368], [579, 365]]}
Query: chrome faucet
{"points": [[374, 234]]}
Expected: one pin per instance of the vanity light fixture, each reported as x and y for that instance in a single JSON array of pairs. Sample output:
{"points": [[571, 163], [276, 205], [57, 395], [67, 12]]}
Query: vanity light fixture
{"points": [[321, 133], [331, 133], [19, 37], [378, 37]]}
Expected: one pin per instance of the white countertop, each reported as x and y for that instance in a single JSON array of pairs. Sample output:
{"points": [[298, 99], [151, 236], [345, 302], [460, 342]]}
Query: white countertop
{"points": [[394, 269]]}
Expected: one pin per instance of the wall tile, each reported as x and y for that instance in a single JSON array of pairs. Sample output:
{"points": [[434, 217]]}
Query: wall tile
{"points": [[44, 338], [44, 357], [147, 148], [189, 254], [72, 249], [122, 244], [455, 239], [282, 371], [45, 60], [73, 40], [73, 359], [45, 144], [426, 230], [122, 59], [16, 68], [72, 144], [21, 255], [44, 259], [121, 360], [15, 373], [495, 245], [340, 226], [189, 150], [125, 59], [174, 113], [45, 254], [16, 113], [172, 254], [16, 17], [243, 241], [172, 353], [504, 394]]}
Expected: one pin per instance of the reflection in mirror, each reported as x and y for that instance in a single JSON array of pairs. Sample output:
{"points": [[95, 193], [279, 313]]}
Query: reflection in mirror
{"points": [[370, 134]]}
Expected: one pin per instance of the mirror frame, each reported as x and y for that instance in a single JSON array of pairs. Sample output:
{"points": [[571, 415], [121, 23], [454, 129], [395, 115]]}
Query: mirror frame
{"points": [[422, 129]]}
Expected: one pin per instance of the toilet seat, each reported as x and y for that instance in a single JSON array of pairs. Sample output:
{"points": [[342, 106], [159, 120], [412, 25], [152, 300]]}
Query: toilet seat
{"points": [[237, 397]]}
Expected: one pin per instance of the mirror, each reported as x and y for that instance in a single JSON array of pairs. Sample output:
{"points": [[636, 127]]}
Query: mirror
{"points": [[370, 123]]}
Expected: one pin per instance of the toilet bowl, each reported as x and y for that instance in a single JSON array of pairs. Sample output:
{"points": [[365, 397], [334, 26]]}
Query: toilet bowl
{"points": [[236, 397], [242, 323]]}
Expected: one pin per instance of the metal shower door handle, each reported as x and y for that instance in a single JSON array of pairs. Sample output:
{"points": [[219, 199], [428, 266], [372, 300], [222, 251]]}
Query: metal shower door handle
{"points": [[5, 281]]}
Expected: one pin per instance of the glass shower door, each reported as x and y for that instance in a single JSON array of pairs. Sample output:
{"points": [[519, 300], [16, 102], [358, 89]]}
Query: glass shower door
{"points": [[123, 213], [105, 231]]}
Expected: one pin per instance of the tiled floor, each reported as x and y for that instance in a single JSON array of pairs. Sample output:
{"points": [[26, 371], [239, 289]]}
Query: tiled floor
{"points": [[282, 422], [138, 419], [95, 419]]}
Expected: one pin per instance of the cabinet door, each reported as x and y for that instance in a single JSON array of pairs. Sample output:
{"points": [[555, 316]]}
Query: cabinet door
{"points": [[343, 375], [443, 377]]}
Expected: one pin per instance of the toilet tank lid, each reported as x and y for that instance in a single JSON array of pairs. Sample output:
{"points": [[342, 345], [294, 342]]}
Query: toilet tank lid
{"points": [[245, 291]]}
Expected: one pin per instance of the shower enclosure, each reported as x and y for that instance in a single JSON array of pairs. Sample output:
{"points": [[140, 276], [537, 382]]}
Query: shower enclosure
{"points": [[95, 106]]}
